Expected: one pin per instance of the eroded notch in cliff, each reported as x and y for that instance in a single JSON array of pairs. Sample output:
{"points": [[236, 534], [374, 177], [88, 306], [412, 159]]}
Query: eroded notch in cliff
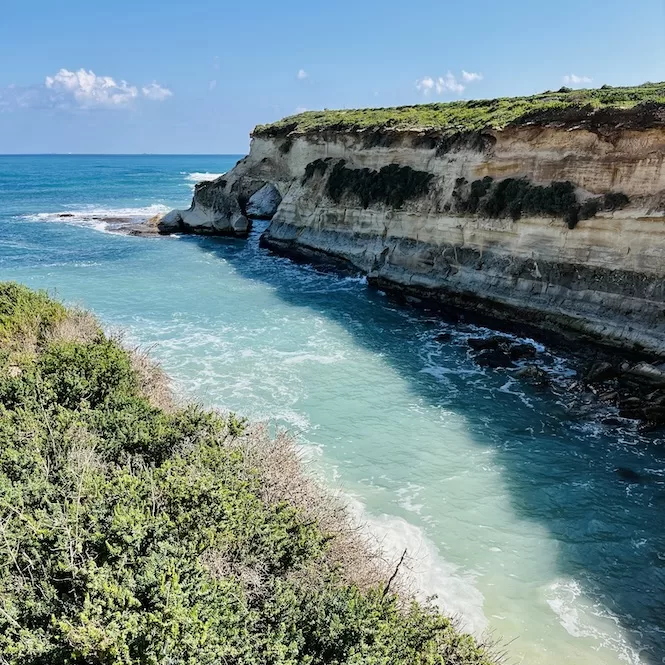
{"points": [[392, 185]]}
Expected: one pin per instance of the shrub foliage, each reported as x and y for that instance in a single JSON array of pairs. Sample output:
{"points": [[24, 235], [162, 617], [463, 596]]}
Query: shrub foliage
{"points": [[133, 534], [636, 106]]}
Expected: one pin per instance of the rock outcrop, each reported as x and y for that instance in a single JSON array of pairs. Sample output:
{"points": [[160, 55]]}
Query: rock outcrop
{"points": [[214, 211], [555, 221], [263, 204]]}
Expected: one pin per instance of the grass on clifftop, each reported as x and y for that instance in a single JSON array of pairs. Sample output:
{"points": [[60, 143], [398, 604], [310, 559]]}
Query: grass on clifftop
{"points": [[565, 106], [135, 531]]}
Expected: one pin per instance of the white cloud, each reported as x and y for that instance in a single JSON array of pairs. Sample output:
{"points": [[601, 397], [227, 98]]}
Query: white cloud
{"points": [[88, 89], [14, 97], [156, 92], [425, 85], [470, 77], [212, 85], [574, 79], [447, 83], [301, 109], [302, 75]]}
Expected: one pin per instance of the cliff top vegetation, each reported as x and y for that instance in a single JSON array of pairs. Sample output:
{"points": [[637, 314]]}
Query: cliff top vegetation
{"points": [[139, 531], [639, 107]]}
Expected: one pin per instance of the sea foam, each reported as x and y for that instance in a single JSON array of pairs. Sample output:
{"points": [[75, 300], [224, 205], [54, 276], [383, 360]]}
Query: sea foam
{"points": [[98, 218]]}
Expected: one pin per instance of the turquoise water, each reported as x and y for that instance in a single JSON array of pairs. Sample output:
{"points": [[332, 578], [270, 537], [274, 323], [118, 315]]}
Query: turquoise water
{"points": [[509, 506]]}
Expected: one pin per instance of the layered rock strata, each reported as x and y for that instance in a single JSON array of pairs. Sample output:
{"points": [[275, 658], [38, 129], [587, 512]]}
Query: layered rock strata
{"points": [[556, 224]]}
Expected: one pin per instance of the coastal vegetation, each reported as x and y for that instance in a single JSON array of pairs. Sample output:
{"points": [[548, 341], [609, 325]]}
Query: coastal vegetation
{"points": [[641, 105], [139, 530]]}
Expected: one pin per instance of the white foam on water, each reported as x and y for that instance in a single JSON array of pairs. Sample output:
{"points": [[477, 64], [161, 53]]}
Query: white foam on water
{"points": [[297, 357], [425, 570], [408, 496], [583, 618], [100, 219], [202, 176]]}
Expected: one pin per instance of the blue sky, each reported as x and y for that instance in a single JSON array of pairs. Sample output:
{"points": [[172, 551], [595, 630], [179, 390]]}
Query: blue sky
{"points": [[176, 77]]}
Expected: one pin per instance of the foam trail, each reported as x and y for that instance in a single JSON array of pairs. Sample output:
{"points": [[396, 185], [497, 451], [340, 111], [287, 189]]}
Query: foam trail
{"points": [[582, 618], [100, 219], [202, 176], [427, 571]]}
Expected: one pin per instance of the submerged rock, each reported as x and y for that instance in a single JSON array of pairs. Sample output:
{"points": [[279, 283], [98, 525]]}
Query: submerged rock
{"points": [[627, 474], [533, 374], [521, 351], [483, 343], [600, 371], [494, 358], [647, 372]]}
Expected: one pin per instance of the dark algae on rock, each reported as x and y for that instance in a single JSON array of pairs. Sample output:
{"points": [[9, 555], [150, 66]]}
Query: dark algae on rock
{"points": [[514, 197], [392, 185], [139, 531]]}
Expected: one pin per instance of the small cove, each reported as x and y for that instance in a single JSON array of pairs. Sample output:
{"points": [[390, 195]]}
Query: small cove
{"points": [[510, 507]]}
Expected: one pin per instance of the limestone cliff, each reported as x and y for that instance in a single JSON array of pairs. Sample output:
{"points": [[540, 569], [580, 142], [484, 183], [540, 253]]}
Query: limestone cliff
{"points": [[556, 218]]}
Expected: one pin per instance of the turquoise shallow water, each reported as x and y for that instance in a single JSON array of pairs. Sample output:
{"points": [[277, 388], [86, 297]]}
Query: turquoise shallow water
{"points": [[509, 506]]}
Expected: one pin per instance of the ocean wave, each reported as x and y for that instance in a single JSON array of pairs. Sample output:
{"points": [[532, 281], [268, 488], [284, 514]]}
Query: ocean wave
{"points": [[583, 618], [201, 176], [425, 571], [101, 219]]}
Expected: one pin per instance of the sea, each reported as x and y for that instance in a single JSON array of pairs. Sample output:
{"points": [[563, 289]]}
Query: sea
{"points": [[507, 501]]}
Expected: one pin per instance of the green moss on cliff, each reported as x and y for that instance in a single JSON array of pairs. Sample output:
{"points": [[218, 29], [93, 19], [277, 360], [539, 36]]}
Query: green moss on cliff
{"points": [[134, 534], [637, 106]]}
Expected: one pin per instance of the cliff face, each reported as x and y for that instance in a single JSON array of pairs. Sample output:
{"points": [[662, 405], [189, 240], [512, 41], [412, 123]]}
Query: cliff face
{"points": [[558, 225]]}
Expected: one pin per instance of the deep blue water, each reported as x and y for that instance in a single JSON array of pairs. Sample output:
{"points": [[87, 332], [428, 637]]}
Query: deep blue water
{"points": [[509, 504]]}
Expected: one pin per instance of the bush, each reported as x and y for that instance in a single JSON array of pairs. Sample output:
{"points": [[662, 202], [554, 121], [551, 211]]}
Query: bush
{"points": [[461, 119], [134, 534], [26, 314]]}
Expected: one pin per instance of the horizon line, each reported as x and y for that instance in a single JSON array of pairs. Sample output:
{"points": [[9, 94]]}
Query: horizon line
{"points": [[121, 154]]}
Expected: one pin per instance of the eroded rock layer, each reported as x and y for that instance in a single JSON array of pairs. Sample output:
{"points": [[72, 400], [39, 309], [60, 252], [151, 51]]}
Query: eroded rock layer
{"points": [[560, 226]]}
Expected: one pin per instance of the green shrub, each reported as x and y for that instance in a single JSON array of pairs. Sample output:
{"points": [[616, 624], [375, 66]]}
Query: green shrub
{"points": [[615, 201], [88, 373], [317, 167], [462, 119], [26, 314], [514, 197], [134, 535]]}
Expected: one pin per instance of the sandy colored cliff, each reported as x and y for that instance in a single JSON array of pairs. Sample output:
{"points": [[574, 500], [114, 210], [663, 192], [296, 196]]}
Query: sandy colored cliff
{"points": [[556, 218]]}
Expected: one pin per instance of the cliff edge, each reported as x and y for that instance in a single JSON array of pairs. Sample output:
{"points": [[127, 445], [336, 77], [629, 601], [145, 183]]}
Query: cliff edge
{"points": [[547, 209]]}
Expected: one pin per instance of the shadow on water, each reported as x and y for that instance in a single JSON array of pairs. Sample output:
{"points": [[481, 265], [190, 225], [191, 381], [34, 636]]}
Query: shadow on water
{"points": [[599, 493]]}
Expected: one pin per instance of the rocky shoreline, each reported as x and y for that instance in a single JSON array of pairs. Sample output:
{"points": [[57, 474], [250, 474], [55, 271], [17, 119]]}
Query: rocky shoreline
{"points": [[551, 223], [631, 389]]}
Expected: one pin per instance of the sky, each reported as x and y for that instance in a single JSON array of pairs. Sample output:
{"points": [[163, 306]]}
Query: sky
{"points": [[167, 76]]}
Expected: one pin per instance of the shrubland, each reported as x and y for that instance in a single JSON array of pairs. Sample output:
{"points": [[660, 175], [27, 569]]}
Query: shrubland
{"points": [[135, 529], [605, 107]]}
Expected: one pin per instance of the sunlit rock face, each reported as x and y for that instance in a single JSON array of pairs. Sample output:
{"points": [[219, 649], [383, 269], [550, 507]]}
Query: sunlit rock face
{"points": [[560, 227]]}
